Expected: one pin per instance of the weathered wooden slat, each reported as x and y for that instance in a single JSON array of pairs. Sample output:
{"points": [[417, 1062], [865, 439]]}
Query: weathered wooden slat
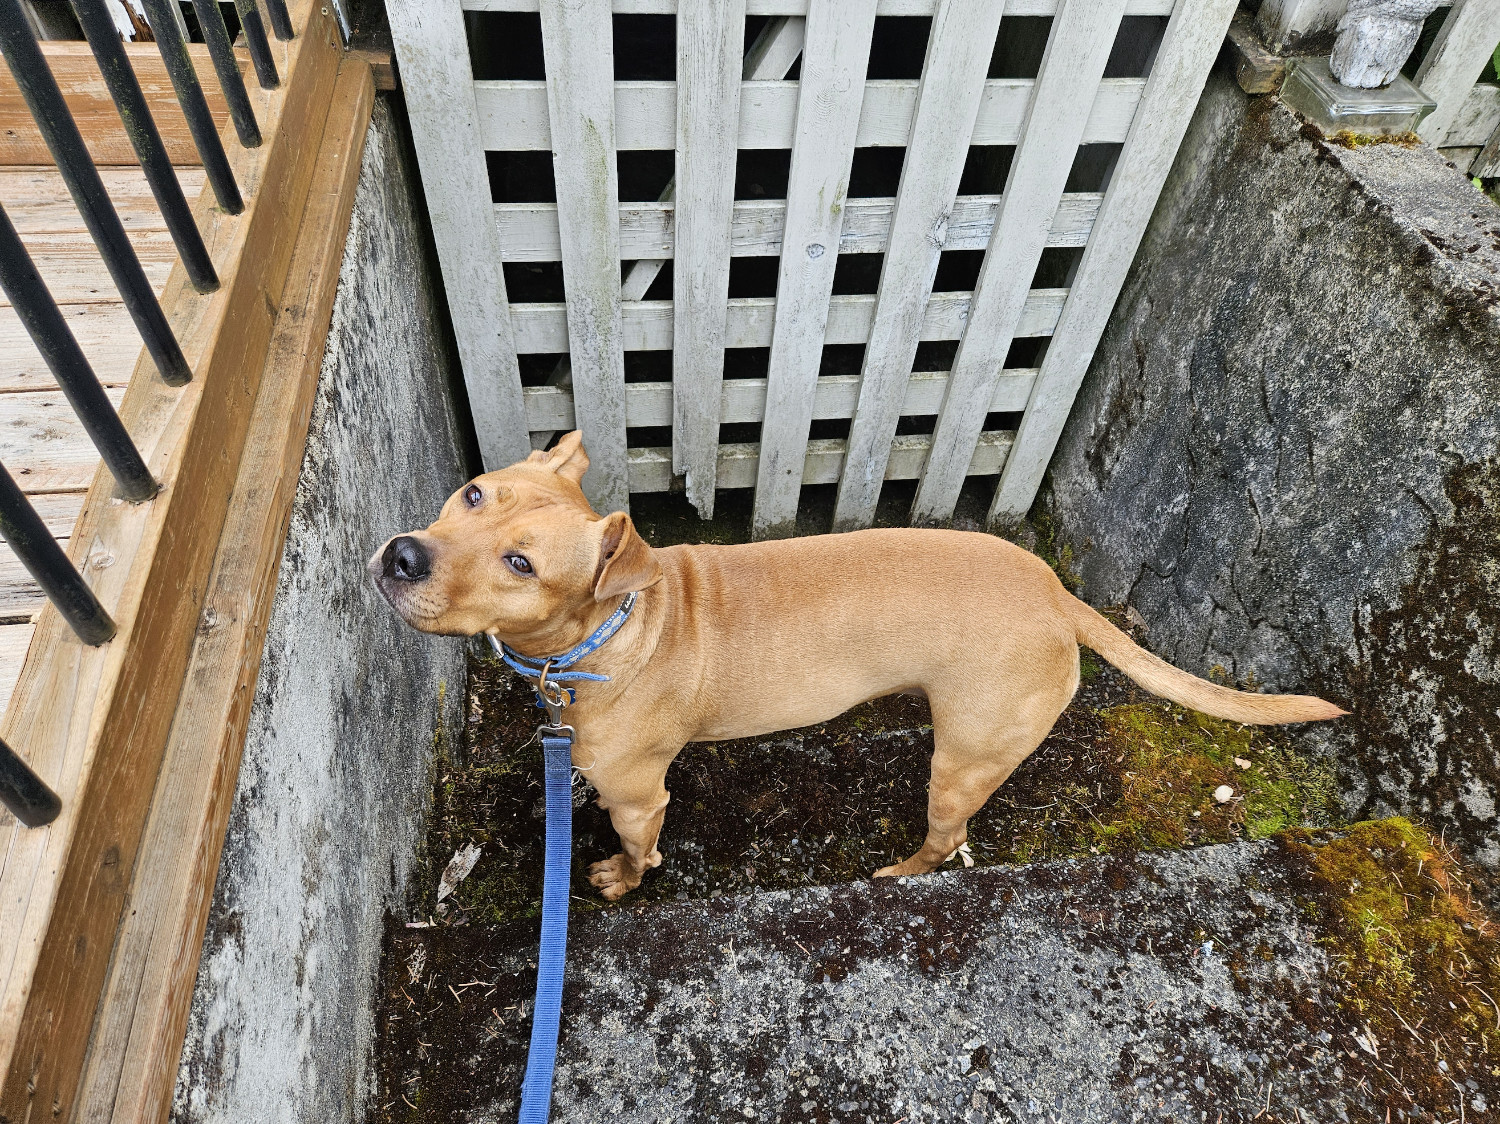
{"points": [[36, 199], [74, 272], [775, 51], [20, 597], [1077, 49], [651, 469], [14, 640], [58, 510], [528, 231], [580, 64], [542, 327], [83, 88], [799, 7], [1189, 46], [137, 1040], [710, 50], [959, 47], [550, 408], [513, 113], [1453, 64], [94, 722], [1477, 118], [44, 445], [104, 331], [434, 57], [835, 55]]}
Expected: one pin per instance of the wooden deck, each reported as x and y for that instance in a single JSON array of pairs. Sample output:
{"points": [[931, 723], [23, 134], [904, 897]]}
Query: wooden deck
{"points": [[41, 440]]}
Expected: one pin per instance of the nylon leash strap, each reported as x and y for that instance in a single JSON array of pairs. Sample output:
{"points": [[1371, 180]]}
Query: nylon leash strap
{"points": [[546, 1017]]}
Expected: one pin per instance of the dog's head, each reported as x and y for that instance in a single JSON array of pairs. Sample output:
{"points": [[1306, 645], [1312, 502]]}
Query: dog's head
{"points": [[517, 553]]}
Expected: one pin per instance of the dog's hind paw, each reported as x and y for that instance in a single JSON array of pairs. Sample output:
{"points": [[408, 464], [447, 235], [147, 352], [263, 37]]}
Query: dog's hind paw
{"points": [[614, 877]]}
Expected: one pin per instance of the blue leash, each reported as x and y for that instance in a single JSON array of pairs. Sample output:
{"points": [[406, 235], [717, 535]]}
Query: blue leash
{"points": [[546, 1018], [557, 763]]}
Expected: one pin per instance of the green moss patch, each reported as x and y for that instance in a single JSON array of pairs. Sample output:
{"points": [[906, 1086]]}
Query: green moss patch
{"points": [[1418, 956]]}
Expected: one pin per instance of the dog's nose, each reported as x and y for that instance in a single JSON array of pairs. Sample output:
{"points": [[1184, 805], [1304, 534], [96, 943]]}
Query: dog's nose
{"points": [[406, 560]]}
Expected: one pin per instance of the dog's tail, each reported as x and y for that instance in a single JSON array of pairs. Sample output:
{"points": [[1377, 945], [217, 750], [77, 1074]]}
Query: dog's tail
{"points": [[1161, 678]]}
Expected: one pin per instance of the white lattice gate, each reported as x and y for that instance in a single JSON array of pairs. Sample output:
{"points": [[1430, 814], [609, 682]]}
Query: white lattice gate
{"points": [[982, 304]]}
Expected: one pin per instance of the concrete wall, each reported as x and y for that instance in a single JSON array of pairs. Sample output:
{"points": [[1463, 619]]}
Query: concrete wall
{"points": [[1286, 455], [335, 781]]}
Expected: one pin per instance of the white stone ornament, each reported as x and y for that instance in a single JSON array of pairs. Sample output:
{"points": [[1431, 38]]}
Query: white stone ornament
{"points": [[1375, 38]]}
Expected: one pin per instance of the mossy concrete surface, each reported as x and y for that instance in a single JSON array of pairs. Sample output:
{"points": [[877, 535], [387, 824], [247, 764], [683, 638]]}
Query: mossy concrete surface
{"points": [[1200, 985]]}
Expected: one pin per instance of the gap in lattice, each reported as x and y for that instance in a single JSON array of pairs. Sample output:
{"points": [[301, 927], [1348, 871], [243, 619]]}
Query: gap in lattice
{"points": [[739, 433], [1002, 420], [1056, 267], [1093, 164], [875, 172], [857, 274], [761, 173], [909, 424], [648, 366], [644, 173], [648, 436], [1020, 46], [746, 362], [538, 368], [753, 277], [645, 48], [533, 281], [505, 45], [661, 285], [986, 168], [898, 46], [958, 271], [521, 177], [1135, 46], [841, 359], [1026, 352], [935, 355]]}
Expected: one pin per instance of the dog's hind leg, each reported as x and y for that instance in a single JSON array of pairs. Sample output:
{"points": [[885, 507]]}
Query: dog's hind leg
{"points": [[973, 755]]}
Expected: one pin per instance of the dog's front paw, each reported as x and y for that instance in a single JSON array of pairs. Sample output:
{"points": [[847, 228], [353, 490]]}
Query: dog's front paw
{"points": [[614, 877]]}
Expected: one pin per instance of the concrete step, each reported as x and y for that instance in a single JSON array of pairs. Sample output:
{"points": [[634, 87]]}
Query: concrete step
{"points": [[1202, 985]]}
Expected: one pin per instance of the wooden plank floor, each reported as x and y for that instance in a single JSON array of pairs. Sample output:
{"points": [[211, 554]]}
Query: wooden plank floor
{"points": [[41, 442]]}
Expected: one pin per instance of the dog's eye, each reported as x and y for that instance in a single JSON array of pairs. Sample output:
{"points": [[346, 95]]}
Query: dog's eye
{"points": [[473, 494], [520, 564]]}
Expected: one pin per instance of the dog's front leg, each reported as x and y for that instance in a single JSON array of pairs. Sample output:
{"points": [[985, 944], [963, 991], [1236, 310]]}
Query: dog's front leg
{"points": [[633, 791]]}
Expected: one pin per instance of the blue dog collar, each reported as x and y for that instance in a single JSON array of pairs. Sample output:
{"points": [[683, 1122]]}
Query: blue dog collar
{"points": [[531, 668]]}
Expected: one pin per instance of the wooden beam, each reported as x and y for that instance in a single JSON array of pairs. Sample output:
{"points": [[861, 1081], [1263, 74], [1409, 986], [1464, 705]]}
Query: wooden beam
{"points": [[98, 120], [137, 1040], [94, 722]]}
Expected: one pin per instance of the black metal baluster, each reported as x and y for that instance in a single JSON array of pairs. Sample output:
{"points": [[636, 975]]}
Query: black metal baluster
{"points": [[54, 339], [45, 561], [24, 793], [260, 47], [174, 54], [65, 142], [231, 81], [281, 21], [104, 39]]}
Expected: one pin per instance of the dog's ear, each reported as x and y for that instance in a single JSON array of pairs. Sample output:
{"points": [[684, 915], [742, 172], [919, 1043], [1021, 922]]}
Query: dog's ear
{"points": [[566, 458], [626, 563]]}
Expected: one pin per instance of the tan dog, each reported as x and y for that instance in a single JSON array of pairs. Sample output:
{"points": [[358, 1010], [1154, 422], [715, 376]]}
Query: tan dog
{"points": [[738, 641]]}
